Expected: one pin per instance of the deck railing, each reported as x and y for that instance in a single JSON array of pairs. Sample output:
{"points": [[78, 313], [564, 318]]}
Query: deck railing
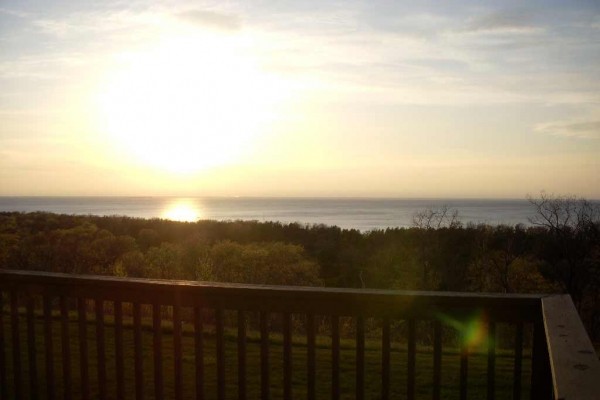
{"points": [[43, 312]]}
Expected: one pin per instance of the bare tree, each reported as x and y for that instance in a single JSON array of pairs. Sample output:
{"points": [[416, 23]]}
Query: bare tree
{"points": [[574, 227], [427, 221], [443, 217], [563, 214]]}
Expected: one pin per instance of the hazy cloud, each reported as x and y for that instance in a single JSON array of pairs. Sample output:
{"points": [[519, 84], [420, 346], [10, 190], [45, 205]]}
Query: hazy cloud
{"points": [[211, 19], [514, 21], [14, 13], [581, 129], [54, 27]]}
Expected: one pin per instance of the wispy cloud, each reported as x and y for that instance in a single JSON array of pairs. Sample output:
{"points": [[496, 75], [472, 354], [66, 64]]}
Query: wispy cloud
{"points": [[578, 129], [55, 27], [211, 19], [124, 22], [504, 21], [14, 13]]}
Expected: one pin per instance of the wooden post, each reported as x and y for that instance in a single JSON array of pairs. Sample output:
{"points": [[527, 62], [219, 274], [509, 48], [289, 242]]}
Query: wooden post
{"points": [[575, 365]]}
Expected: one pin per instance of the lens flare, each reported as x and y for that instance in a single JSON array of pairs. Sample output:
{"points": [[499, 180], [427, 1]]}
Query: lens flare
{"points": [[473, 329]]}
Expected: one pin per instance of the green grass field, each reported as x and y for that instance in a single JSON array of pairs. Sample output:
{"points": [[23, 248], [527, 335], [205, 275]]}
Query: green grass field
{"points": [[424, 360]]}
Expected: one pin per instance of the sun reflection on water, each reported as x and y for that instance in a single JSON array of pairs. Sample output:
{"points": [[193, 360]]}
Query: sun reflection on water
{"points": [[183, 210]]}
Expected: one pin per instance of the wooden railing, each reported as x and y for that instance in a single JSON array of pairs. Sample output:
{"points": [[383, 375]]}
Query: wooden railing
{"points": [[42, 312]]}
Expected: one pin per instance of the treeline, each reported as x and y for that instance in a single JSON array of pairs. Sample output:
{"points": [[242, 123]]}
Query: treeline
{"points": [[559, 252]]}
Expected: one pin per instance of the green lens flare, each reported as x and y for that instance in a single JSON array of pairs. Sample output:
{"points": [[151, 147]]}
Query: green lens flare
{"points": [[473, 328]]}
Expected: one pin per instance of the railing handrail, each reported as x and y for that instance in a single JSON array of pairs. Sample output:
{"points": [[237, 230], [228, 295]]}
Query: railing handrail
{"points": [[573, 359], [317, 300], [14, 275]]}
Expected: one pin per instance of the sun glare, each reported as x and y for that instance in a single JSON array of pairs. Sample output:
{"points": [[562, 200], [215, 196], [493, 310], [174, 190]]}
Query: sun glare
{"points": [[184, 211], [189, 103]]}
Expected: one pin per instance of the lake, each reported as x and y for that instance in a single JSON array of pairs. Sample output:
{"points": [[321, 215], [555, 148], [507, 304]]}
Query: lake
{"points": [[358, 213]]}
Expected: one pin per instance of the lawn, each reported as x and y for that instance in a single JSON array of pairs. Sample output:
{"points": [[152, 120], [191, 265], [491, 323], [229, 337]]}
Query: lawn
{"points": [[424, 363]]}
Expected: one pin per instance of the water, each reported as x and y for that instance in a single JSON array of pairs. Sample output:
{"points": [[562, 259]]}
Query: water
{"points": [[362, 214]]}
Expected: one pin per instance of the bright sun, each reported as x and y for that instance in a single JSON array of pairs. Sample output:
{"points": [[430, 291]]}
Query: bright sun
{"points": [[189, 103]]}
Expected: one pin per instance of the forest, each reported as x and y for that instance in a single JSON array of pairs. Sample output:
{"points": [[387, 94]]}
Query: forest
{"points": [[557, 251]]}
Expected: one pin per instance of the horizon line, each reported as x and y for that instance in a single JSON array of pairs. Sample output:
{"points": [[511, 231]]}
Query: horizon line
{"points": [[339, 197]]}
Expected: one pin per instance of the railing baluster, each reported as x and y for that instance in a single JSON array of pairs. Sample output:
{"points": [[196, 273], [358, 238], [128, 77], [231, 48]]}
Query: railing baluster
{"points": [[437, 359], [137, 346], [3, 380], [31, 350], [66, 347], [518, 361], [287, 356], [491, 362], [310, 357], [335, 357], [199, 353], [360, 357], [464, 367], [16, 344], [541, 378], [264, 356], [48, 348], [411, 359], [100, 348], [177, 353], [157, 351], [241, 349], [119, 356], [220, 355], [385, 359], [83, 349], [19, 287]]}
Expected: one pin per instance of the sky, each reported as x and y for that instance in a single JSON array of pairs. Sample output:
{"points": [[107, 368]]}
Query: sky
{"points": [[464, 99]]}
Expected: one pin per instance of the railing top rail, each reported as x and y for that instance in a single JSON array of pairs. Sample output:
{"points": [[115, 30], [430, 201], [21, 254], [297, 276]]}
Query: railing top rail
{"points": [[574, 362], [18, 275], [319, 300]]}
